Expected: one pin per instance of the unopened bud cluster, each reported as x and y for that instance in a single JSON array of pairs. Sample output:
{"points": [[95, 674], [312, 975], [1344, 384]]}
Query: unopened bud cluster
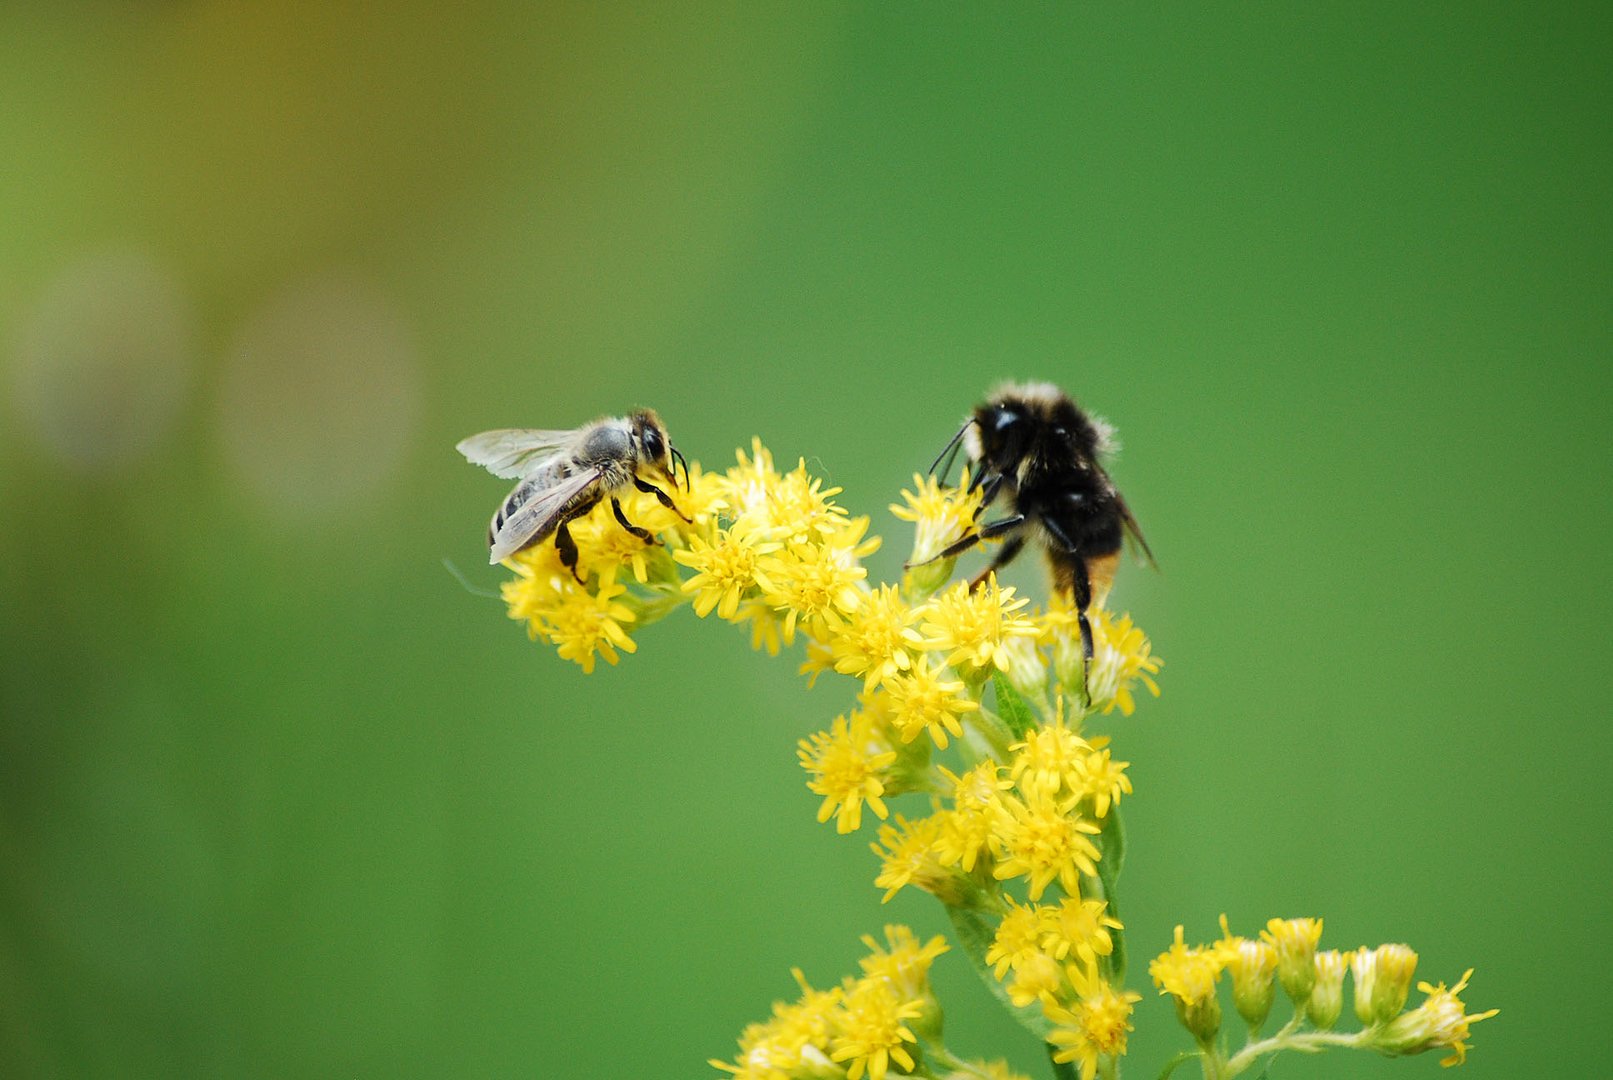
{"points": [[1286, 954]]}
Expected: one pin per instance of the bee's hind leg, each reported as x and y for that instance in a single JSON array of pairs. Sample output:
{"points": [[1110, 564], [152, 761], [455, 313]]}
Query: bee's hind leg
{"points": [[565, 545], [665, 500], [1009, 549], [637, 530]]}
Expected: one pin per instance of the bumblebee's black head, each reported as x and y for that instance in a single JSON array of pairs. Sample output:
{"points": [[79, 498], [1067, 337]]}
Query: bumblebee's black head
{"points": [[1024, 419]]}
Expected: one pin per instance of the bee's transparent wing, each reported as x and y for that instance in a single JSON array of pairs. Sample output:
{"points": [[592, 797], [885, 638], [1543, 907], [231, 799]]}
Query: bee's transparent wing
{"points": [[1134, 535], [513, 452], [532, 512]]}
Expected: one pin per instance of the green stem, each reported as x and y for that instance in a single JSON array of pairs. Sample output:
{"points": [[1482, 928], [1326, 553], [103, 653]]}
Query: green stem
{"points": [[1310, 1042]]}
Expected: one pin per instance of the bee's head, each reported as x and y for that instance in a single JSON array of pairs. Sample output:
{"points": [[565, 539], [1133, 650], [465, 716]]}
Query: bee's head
{"points": [[650, 435], [1002, 435]]}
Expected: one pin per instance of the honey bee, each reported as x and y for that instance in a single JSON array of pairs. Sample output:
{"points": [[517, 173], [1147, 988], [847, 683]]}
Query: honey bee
{"points": [[1033, 448], [564, 474]]}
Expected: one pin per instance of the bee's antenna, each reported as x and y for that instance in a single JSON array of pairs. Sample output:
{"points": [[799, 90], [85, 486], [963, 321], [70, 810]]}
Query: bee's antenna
{"points": [[951, 450], [679, 459]]}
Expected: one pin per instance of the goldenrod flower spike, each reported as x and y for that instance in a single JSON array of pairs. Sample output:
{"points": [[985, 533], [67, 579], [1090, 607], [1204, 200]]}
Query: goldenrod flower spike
{"points": [[1008, 841]]}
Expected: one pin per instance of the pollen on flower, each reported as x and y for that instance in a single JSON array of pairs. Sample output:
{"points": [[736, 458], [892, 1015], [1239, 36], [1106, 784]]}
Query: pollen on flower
{"points": [[966, 829], [602, 542], [1187, 974], [848, 764], [582, 625], [971, 625], [922, 700], [800, 511], [1043, 840], [1018, 937], [725, 568], [878, 640], [1121, 657], [813, 583], [907, 856], [1080, 929], [1037, 978], [902, 960], [871, 1028], [1104, 779], [941, 515], [1051, 760], [1095, 1027]]}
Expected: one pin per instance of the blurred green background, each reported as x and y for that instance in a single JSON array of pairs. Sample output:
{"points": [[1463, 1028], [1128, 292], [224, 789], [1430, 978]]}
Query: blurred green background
{"points": [[279, 798]]}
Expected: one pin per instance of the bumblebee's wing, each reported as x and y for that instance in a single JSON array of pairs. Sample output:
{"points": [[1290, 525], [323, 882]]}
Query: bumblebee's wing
{"points": [[1134, 534], [513, 452], [532, 512]]}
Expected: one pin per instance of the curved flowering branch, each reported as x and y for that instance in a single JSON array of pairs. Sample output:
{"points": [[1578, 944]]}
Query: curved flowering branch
{"points": [[976, 706]]}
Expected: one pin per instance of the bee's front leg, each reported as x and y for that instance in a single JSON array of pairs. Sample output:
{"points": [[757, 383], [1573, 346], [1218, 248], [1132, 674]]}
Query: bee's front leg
{"points": [[637, 530], [665, 499]]}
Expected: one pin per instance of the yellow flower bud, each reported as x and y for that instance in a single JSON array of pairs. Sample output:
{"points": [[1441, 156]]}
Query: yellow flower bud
{"points": [[1382, 981], [1253, 965], [1295, 941], [1327, 996]]}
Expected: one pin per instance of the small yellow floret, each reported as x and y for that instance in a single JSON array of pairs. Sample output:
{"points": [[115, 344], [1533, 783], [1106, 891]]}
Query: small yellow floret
{"points": [[1095, 1027], [971, 626], [848, 764], [1044, 840]]}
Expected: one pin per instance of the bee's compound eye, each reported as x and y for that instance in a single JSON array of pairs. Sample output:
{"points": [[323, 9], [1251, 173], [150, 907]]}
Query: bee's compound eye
{"points": [[654, 445], [1004, 421]]}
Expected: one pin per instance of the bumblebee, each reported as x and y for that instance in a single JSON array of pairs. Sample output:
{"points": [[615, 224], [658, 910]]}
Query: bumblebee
{"points": [[1031, 448], [564, 474]]}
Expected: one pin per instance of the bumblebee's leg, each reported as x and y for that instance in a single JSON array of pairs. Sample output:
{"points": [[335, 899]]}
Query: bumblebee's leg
{"points": [[665, 499], [970, 539], [988, 531], [994, 486], [1083, 600], [637, 530], [1004, 557]]}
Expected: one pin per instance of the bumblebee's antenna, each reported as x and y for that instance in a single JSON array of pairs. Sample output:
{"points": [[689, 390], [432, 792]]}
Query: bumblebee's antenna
{"points": [[951, 451]]}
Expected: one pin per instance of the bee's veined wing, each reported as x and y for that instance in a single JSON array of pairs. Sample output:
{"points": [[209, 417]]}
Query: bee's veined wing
{"points": [[532, 513], [513, 452]]}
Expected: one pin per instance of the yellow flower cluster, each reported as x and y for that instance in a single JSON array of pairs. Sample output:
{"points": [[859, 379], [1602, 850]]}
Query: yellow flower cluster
{"points": [[1020, 837], [1286, 953], [1056, 954], [594, 612], [883, 1019]]}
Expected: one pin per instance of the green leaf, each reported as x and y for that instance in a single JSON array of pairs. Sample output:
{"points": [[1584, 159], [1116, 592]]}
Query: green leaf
{"points": [[1180, 1059], [1011, 707], [975, 934], [1109, 867]]}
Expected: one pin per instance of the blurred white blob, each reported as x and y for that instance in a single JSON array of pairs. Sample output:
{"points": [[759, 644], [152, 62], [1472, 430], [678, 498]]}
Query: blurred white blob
{"points": [[104, 361], [320, 395]]}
